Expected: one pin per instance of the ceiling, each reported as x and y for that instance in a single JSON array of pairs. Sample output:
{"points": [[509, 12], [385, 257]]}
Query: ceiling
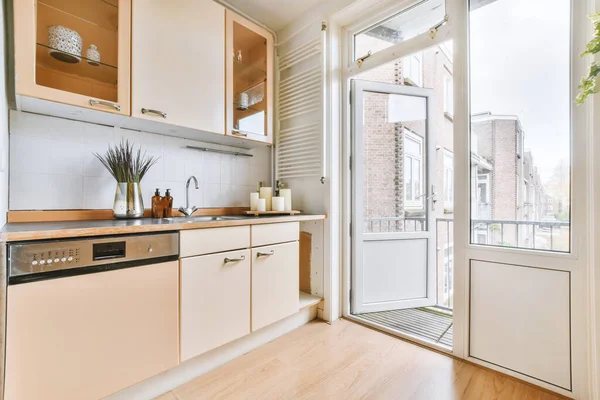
{"points": [[276, 14]]}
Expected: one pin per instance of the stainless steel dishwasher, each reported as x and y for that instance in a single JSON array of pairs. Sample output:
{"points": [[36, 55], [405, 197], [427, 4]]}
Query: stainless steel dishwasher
{"points": [[89, 317]]}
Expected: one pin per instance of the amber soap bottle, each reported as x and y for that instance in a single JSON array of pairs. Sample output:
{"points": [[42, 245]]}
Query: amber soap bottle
{"points": [[168, 204], [157, 205]]}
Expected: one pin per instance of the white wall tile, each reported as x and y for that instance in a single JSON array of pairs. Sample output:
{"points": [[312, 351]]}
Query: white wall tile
{"points": [[52, 166]]}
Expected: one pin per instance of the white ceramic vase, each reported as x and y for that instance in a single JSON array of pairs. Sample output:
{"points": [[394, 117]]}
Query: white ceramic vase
{"points": [[93, 55]]}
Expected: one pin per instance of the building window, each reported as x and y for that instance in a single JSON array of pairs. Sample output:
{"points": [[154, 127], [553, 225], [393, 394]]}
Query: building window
{"points": [[448, 271], [412, 69], [448, 179], [413, 170], [448, 95]]}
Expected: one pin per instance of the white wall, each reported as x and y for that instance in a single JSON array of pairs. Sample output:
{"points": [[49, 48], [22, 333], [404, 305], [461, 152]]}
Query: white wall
{"points": [[52, 167], [3, 126]]}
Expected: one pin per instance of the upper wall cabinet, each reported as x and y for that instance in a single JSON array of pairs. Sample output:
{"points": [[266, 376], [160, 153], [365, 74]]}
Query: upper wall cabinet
{"points": [[249, 55], [75, 52], [178, 63]]}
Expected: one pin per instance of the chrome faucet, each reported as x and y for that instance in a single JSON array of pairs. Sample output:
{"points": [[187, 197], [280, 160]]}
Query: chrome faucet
{"points": [[187, 211]]}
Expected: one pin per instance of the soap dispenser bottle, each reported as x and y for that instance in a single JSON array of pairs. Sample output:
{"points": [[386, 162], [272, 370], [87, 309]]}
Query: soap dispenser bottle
{"points": [[168, 204], [157, 205]]}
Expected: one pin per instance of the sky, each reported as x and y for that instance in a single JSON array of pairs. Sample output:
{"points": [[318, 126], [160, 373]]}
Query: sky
{"points": [[520, 52]]}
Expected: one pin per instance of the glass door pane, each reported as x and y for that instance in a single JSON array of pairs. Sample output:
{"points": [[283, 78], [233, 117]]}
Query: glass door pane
{"points": [[406, 24], [394, 134], [249, 81], [77, 46], [520, 126]]}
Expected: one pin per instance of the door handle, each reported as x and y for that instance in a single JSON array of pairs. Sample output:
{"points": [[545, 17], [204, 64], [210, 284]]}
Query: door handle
{"points": [[105, 103], [231, 260], [265, 254], [155, 112]]}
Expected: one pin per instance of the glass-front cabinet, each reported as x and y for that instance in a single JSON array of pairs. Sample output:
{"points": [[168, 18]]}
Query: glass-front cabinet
{"points": [[74, 52], [249, 85]]}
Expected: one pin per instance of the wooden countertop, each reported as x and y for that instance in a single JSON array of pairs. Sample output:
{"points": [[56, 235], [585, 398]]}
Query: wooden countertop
{"points": [[72, 229]]}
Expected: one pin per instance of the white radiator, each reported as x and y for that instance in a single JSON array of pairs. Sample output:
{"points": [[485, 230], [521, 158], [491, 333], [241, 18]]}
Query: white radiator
{"points": [[301, 116]]}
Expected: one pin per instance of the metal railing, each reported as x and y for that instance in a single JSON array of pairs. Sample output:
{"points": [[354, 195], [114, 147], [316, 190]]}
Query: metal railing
{"points": [[537, 235], [522, 234]]}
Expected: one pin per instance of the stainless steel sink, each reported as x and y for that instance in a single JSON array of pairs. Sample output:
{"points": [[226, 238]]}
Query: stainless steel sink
{"points": [[203, 218]]}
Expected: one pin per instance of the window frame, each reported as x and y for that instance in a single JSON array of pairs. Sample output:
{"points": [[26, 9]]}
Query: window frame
{"points": [[448, 183], [416, 202]]}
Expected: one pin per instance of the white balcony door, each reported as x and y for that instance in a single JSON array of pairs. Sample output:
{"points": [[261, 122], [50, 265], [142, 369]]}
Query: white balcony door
{"points": [[393, 171]]}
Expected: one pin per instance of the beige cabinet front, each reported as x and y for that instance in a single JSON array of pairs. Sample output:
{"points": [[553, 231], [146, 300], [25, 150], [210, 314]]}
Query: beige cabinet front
{"points": [[178, 63], [87, 336], [215, 301], [275, 282], [74, 52]]}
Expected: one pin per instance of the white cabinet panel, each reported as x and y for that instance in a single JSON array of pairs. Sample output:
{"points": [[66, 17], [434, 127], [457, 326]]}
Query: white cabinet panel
{"points": [[275, 233], [520, 320], [275, 283], [87, 336], [195, 242], [178, 63], [215, 301]]}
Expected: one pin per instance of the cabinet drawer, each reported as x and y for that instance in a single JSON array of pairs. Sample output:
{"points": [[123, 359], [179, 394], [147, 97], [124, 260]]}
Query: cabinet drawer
{"points": [[275, 233], [213, 240], [275, 283], [215, 301]]}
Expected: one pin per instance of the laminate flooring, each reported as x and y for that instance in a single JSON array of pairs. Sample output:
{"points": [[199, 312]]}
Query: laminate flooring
{"points": [[346, 360]]}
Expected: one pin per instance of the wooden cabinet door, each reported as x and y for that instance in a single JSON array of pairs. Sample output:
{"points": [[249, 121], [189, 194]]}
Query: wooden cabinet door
{"points": [[215, 301], [44, 71], [87, 336], [249, 55], [178, 63], [275, 283]]}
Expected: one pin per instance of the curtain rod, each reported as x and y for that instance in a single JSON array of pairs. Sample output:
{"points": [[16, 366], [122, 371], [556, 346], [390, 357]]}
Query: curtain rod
{"points": [[233, 153]]}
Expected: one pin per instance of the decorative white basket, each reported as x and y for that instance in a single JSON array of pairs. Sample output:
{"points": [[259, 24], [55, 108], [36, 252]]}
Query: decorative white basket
{"points": [[66, 44]]}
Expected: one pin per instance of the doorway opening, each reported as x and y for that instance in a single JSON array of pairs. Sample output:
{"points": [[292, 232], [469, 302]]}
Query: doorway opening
{"points": [[403, 196]]}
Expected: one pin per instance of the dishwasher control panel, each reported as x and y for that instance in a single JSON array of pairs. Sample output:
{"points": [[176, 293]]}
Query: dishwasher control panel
{"points": [[26, 258]]}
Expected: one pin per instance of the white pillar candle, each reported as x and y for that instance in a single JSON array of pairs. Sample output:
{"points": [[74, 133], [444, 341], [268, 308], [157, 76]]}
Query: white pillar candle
{"points": [[261, 205], [253, 201], [266, 193], [278, 204], [287, 199]]}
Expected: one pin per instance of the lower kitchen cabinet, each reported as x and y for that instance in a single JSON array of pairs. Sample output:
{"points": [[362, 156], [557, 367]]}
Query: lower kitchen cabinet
{"points": [[87, 336], [275, 282], [215, 301]]}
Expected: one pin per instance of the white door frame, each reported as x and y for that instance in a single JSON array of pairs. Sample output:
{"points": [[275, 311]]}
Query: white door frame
{"points": [[428, 200], [361, 15]]}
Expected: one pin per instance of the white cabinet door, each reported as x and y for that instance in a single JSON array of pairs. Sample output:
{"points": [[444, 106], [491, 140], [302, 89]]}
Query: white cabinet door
{"points": [[178, 63], [275, 283], [87, 336], [215, 301]]}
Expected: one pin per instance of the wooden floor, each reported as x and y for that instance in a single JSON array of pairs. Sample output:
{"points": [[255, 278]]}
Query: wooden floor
{"points": [[349, 361]]}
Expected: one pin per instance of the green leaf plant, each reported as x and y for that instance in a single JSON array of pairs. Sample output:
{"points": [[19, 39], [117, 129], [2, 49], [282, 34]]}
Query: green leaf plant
{"points": [[587, 85]]}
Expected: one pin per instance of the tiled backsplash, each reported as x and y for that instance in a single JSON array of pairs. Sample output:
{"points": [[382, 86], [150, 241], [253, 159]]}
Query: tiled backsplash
{"points": [[52, 167]]}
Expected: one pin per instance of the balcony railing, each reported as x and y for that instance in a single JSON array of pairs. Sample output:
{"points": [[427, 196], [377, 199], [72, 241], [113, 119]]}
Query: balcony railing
{"points": [[538, 235]]}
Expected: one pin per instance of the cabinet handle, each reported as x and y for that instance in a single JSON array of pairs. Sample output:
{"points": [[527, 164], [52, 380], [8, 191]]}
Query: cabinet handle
{"points": [[230, 260], [268, 253], [156, 112], [237, 132], [105, 103]]}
